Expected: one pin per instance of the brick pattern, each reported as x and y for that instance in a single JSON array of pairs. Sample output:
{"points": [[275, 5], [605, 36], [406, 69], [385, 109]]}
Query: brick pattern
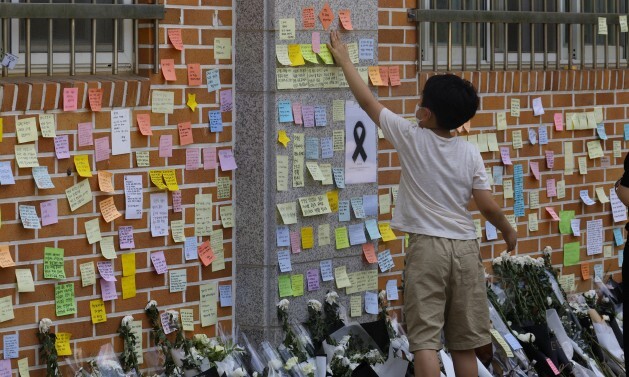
{"points": [[201, 21], [561, 91]]}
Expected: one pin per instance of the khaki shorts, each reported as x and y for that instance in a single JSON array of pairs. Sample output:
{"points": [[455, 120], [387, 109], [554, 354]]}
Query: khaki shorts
{"points": [[445, 289]]}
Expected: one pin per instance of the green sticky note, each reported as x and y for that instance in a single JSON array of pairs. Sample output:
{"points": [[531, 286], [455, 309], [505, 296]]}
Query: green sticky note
{"points": [[53, 263], [571, 254], [564, 221], [342, 238], [297, 283], [285, 285], [65, 304]]}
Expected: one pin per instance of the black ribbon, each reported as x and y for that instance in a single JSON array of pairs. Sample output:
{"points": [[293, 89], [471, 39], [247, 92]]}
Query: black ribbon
{"points": [[359, 139]]}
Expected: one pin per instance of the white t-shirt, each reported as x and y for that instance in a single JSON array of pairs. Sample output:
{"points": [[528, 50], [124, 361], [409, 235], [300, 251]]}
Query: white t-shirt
{"points": [[438, 175]]}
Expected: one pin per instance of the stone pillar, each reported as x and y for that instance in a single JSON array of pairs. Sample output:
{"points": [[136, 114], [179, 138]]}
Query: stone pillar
{"points": [[257, 126]]}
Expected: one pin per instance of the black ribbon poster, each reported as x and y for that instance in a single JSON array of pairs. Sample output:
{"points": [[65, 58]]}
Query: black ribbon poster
{"points": [[360, 146]]}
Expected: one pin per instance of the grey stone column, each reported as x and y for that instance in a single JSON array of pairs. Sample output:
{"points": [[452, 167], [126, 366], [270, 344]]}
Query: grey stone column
{"points": [[256, 97]]}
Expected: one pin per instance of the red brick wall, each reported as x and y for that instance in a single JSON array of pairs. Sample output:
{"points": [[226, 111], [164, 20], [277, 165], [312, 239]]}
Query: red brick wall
{"points": [[29, 97], [561, 92]]}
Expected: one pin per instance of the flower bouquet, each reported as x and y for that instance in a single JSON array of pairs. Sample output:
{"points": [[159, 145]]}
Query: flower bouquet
{"points": [[161, 341], [48, 351]]}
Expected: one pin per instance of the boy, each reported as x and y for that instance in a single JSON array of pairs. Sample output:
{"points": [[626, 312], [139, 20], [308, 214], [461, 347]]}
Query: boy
{"points": [[444, 277]]}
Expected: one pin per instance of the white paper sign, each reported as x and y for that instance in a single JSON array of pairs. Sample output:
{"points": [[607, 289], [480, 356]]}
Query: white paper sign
{"points": [[133, 196], [120, 132], [360, 146], [159, 214]]}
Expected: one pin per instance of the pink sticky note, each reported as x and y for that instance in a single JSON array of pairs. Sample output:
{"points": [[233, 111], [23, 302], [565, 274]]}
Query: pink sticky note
{"points": [[159, 262], [166, 146], [535, 169], [101, 149], [70, 99], [309, 116], [108, 290], [226, 159], [226, 100], [295, 242], [85, 134], [551, 189], [125, 235], [185, 133], [192, 158], [48, 212], [209, 158], [504, 154], [62, 147], [552, 213], [316, 42], [550, 159], [106, 270], [559, 121], [297, 113], [552, 366], [177, 201], [312, 278]]}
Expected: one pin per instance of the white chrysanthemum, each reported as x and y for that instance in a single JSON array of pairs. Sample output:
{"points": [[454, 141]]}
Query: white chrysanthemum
{"points": [[526, 338], [218, 348], [275, 364], [549, 300], [331, 297], [315, 304], [497, 261], [151, 303], [283, 305], [238, 373], [339, 350], [540, 261], [345, 362], [591, 294], [44, 325], [605, 318], [344, 340], [290, 363], [255, 374], [308, 368], [605, 299], [382, 295], [548, 249], [396, 343], [127, 321]]}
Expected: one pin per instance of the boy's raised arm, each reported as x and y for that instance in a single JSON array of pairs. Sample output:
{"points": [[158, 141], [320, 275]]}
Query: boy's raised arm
{"points": [[492, 212], [361, 91]]}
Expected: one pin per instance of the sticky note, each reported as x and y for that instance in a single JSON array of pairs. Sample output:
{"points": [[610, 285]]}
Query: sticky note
{"points": [[108, 209], [53, 263], [98, 312], [213, 79], [174, 35], [223, 48], [162, 102], [571, 254], [297, 284], [26, 155], [185, 133], [62, 344], [178, 280], [287, 28], [285, 286], [515, 107], [65, 303], [308, 17], [26, 130], [206, 254], [345, 17], [386, 232], [355, 305], [192, 101], [194, 74], [340, 275], [326, 16], [95, 97], [70, 98], [602, 26], [88, 274]]}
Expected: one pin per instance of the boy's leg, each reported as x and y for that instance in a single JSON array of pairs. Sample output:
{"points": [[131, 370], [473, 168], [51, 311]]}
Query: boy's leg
{"points": [[427, 364], [464, 363]]}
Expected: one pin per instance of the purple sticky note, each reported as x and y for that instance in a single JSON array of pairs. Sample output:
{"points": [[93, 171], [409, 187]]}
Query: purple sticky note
{"points": [[108, 290], [295, 242], [48, 212], [106, 270], [193, 158], [5, 368], [226, 159], [62, 147], [316, 42], [159, 262], [101, 149], [209, 158], [166, 146], [308, 113], [125, 235], [176, 201], [226, 100], [85, 134], [312, 278]]}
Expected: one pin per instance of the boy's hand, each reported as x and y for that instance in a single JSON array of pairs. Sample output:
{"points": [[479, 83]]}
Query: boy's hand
{"points": [[338, 49], [511, 239]]}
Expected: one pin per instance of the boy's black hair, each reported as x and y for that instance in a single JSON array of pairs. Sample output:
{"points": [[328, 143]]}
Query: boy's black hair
{"points": [[451, 99]]}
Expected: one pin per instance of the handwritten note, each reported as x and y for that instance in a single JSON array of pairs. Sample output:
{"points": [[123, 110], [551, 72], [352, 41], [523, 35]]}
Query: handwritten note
{"points": [[120, 131], [70, 99], [65, 303]]}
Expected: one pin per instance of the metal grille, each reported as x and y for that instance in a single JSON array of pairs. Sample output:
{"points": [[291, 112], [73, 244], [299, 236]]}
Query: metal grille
{"points": [[519, 34], [71, 12]]}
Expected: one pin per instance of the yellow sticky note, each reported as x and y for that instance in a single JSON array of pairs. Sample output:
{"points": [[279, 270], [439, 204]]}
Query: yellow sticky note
{"points": [[288, 211], [142, 159], [287, 28], [156, 178], [177, 230], [283, 138], [600, 193], [162, 102], [356, 306], [47, 125], [26, 130], [79, 194], [325, 54], [333, 199], [294, 54], [187, 319], [192, 101], [128, 264], [308, 54], [594, 149], [6, 309], [203, 214], [501, 121], [374, 76], [515, 107], [128, 287], [342, 238], [26, 156], [338, 111], [583, 165], [62, 344], [207, 304], [386, 232], [340, 275], [307, 237], [227, 216], [315, 171], [222, 48], [171, 180], [107, 247], [24, 278], [97, 309], [297, 284], [82, 164], [92, 231], [281, 52], [22, 366], [533, 222], [88, 274], [323, 234], [517, 139], [352, 49]]}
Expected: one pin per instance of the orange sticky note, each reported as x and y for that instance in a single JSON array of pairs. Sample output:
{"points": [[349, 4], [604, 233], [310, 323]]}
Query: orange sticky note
{"points": [[384, 75], [95, 96], [346, 20], [205, 253], [394, 75], [144, 124], [374, 76], [370, 253], [5, 257], [168, 69], [108, 209], [326, 16], [308, 17], [105, 181], [70, 99], [194, 74], [185, 133], [175, 38], [585, 271]]}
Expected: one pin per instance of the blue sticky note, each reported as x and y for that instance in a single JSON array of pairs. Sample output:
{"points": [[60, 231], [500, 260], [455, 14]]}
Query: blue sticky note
{"points": [[339, 177], [225, 295], [321, 116], [626, 131], [372, 229], [621, 257], [618, 239], [285, 110], [282, 236], [600, 130], [598, 271], [344, 210], [357, 234], [497, 173], [370, 205], [327, 149], [190, 248], [216, 121], [543, 135], [518, 208], [213, 80], [312, 148]]}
